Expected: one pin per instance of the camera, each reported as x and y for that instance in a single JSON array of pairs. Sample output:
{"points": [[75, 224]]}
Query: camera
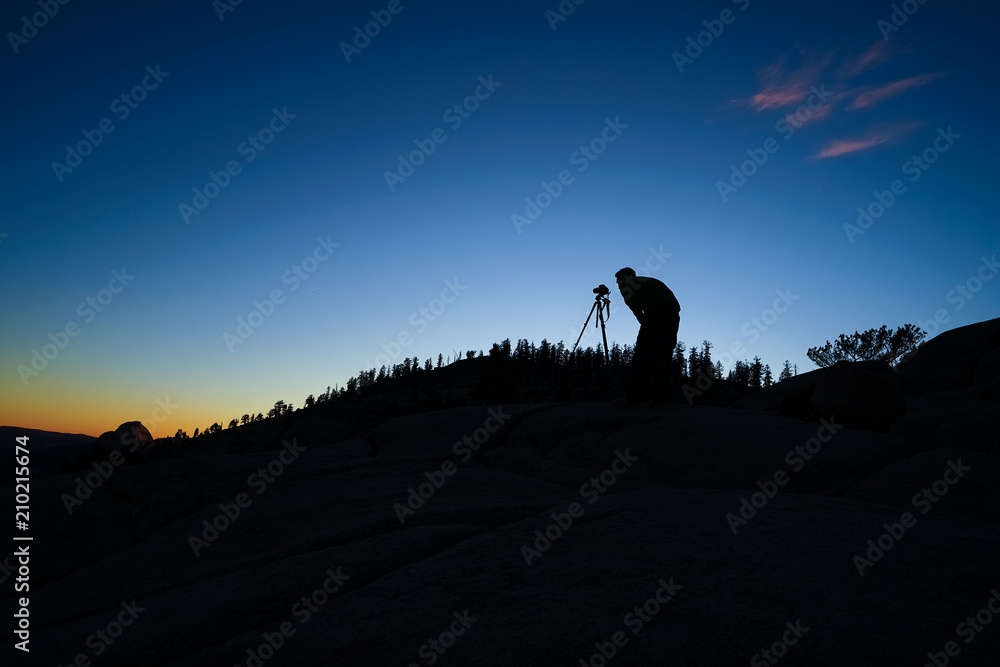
{"points": [[601, 290]]}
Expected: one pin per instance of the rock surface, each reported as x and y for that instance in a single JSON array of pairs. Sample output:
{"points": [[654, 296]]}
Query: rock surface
{"points": [[859, 396], [531, 531], [954, 359], [835, 520]]}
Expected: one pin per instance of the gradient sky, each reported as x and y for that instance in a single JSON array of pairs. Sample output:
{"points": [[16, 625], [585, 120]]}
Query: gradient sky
{"points": [[881, 94]]}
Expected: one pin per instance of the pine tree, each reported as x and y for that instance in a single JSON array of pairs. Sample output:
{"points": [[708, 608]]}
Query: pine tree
{"points": [[741, 373], [768, 378], [616, 355], [881, 344], [756, 373], [706, 358], [786, 371], [680, 365]]}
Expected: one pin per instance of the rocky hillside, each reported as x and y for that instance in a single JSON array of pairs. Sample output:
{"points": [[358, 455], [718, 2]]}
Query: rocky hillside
{"points": [[849, 516]]}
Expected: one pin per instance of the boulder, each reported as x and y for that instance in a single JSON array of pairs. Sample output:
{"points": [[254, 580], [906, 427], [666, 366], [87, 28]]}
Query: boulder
{"points": [[955, 359], [789, 397], [127, 439], [859, 395], [988, 368], [128, 436]]}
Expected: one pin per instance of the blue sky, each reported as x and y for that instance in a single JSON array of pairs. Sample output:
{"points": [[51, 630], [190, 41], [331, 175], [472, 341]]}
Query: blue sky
{"points": [[205, 86]]}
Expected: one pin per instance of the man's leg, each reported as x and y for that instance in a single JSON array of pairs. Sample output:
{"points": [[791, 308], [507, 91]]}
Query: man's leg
{"points": [[641, 366], [663, 383]]}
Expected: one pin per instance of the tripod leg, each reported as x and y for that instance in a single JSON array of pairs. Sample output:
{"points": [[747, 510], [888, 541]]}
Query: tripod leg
{"points": [[585, 327], [604, 333], [607, 354]]}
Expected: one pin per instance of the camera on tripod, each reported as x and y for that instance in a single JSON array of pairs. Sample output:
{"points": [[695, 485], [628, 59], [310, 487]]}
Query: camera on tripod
{"points": [[602, 304]]}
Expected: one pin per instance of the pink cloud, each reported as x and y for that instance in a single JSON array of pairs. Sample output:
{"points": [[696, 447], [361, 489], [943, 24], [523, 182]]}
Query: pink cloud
{"points": [[876, 137], [878, 53], [875, 95], [841, 147], [800, 118], [780, 90]]}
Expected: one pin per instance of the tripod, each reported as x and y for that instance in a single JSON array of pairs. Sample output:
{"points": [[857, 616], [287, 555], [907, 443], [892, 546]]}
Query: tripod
{"points": [[601, 304]]}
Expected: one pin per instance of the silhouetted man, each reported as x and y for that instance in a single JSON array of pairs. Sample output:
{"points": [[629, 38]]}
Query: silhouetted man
{"points": [[659, 315]]}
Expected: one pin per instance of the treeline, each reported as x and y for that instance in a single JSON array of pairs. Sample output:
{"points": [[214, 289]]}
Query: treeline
{"points": [[695, 363]]}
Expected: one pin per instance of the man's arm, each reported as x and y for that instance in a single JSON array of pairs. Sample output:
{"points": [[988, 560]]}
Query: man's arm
{"points": [[635, 307]]}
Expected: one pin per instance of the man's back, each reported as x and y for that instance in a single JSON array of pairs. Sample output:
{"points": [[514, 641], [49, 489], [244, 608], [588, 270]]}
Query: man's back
{"points": [[645, 294]]}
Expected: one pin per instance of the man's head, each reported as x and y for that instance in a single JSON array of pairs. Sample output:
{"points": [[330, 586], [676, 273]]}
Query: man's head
{"points": [[625, 276]]}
